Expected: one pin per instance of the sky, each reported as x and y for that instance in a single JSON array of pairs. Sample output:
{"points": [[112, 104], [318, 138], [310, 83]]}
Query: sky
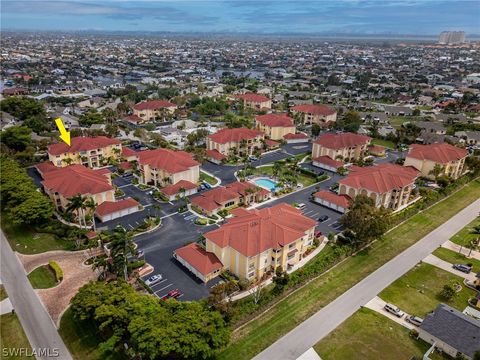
{"points": [[411, 17]]}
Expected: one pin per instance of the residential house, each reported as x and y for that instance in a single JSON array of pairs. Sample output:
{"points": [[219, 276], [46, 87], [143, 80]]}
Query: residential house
{"points": [[332, 201], [255, 242], [241, 141], [448, 329], [275, 126], [388, 185], [449, 159], [322, 115], [89, 151], [154, 109], [344, 146], [255, 101], [469, 137], [296, 138], [432, 127], [163, 167], [204, 265]]}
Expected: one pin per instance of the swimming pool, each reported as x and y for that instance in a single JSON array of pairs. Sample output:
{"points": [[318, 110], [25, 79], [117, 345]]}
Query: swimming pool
{"points": [[266, 184]]}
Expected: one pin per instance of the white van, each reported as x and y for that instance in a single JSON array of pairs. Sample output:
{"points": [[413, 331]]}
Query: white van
{"points": [[392, 309]]}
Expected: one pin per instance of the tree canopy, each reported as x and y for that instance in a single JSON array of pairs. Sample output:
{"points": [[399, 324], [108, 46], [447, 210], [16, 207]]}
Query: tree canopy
{"points": [[153, 329]]}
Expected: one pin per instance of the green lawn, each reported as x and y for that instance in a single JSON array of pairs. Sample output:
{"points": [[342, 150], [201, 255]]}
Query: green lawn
{"points": [[12, 336], [369, 335], [3, 293], [81, 338], [464, 236], [42, 278], [386, 143], [209, 179], [456, 258], [27, 241], [291, 311], [417, 291]]}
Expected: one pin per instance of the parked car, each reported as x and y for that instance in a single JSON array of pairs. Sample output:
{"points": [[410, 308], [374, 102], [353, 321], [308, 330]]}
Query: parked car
{"points": [[392, 309], [202, 187], [463, 268], [207, 185], [253, 158], [152, 280], [323, 218], [318, 234], [301, 206], [175, 293], [140, 254], [415, 320]]}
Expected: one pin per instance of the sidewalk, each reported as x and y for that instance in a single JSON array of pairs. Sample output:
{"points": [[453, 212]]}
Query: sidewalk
{"points": [[5, 306], [444, 265], [461, 249]]}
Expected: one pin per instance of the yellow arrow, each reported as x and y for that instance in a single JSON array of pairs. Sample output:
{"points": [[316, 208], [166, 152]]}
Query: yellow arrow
{"points": [[64, 134]]}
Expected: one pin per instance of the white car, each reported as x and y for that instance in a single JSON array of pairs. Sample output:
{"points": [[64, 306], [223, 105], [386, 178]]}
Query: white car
{"points": [[152, 280], [392, 309]]}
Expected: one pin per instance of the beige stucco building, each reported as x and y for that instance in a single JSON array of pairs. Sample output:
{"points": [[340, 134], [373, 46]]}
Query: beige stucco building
{"points": [[449, 159], [275, 126], [322, 115], [237, 141], [343, 146], [153, 109], [255, 101]]}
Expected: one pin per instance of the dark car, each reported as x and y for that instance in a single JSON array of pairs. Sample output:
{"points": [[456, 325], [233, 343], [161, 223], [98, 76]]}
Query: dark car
{"points": [[323, 218], [463, 268]]}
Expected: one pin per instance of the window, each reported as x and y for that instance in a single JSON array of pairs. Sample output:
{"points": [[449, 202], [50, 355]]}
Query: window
{"points": [[252, 274], [230, 203], [291, 246], [291, 257]]}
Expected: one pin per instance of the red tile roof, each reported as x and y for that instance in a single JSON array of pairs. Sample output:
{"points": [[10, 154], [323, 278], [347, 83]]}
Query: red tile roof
{"points": [[327, 160], [440, 153], [127, 152], [244, 188], [376, 149], [291, 136], [204, 262], [224, 136], [342, 140], [126, 165], [76, 179], [256, 231], [45, 167], [316, 109], [211, 199], [215, 154], [175, 188], [133, 118], [82, 144], [271, 143], [381, 178], [275, 120], [171, 161], [340, 200], [253, 97], [153, 105], [109, 207]]}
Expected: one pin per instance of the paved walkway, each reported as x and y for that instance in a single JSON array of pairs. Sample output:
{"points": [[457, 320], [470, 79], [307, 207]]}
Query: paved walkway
{"points": [[445, 265], [461, 249], [310, 354], [377, 304], [75, 272], [315, 328], [6, 306], [37, 324]]}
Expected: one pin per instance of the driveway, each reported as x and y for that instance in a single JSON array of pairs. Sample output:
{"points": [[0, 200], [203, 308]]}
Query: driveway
{"points": [[158, 246], [315, 328], [223, 172], [445, 265], [295, 149], [377, 304]]}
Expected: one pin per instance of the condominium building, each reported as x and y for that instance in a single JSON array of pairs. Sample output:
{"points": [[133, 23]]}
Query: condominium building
{"points": [[388, 185], [153, 109], [89, 151], [451, 37], [163, 167], [237, 141], [275, 126], [322, 115], [255, 242], [448, 159], [255, 101], [343, 146]]}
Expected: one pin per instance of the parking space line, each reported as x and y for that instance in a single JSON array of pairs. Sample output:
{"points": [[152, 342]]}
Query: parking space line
{"points": [[161, 281], [166, 216], [163, 288], [124, 186]]}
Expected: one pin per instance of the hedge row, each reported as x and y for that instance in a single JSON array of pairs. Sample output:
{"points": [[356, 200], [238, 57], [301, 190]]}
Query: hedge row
{"points": [[56, 269]]}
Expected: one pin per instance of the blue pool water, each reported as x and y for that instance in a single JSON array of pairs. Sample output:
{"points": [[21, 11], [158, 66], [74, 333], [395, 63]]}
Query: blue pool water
{"points": [[266, 183]]}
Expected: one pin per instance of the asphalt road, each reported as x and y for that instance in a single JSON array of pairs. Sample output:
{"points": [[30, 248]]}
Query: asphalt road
{"points": [[36, 322], [315, 328]]}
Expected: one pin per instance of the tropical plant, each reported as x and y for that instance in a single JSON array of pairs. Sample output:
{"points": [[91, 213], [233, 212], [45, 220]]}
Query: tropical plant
{"points": [[121, 247]]}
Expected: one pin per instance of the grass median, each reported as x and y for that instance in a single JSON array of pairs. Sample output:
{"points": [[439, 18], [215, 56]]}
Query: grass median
{"points": [[13, 338], [294, 309]]}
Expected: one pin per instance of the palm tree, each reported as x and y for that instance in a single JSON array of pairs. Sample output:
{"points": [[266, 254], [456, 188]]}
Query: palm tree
{"points": [[122, 246], [77, 203], [100, 263], [436, 171], [92, 206], [68, 161]]}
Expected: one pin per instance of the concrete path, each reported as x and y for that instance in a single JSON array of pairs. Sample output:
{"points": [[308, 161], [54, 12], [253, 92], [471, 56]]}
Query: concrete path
{"points": [[315, 328], [377, 304], [445, 265], [310, 354], [5, 306], [37, 324], [462, 250]]}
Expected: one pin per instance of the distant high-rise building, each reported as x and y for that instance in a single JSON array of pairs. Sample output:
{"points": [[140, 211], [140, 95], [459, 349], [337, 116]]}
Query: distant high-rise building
{"points": [[452, 37]]}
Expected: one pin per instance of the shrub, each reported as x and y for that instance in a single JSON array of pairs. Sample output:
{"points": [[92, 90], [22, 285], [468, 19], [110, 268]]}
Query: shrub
{"points": [[322, 177], [136, 264], [56, 269], [243, 284], [201, 221]]}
